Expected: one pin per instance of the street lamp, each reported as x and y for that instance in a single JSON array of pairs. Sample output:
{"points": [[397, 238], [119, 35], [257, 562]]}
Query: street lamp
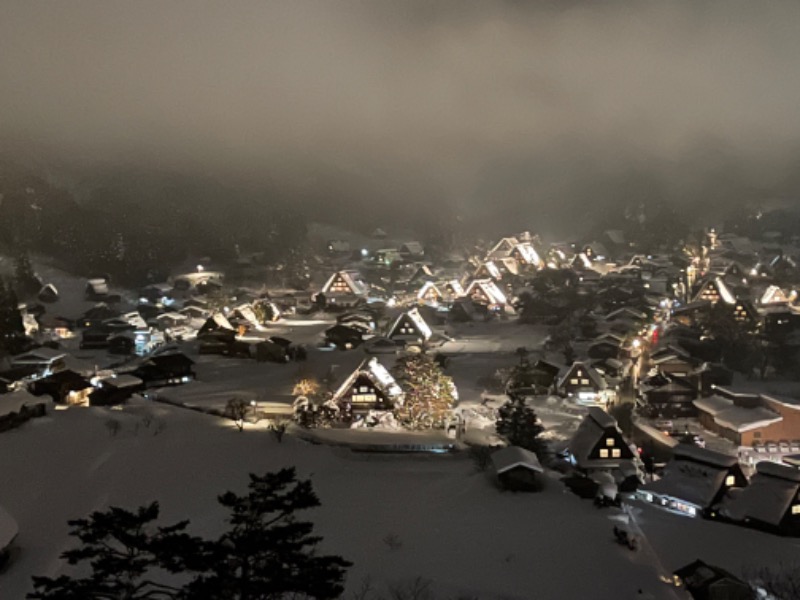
{"points": [[254, 404]]}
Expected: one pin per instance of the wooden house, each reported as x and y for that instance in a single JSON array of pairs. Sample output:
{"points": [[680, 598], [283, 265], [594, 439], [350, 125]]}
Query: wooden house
{"points": [[410, 327], [517, 469], [43, 360], [486, 292], [770, 502], [166, 369], [583, 382], [369, 387], [673, 399], [503, 248], [706, 582], [430, 294], [774, 295], [214, 323], [344, 287], [714, 290], [525, 254], [344, 336], [694, 481], [64, 387]]}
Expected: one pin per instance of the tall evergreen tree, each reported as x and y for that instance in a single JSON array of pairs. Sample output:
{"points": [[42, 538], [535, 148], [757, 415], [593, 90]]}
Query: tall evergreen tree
{"points": [[267, 554], [25, 281], [518, 424], [12, 329]]}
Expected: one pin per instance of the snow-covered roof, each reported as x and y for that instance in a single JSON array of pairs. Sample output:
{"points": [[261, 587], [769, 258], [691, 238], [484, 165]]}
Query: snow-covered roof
{"points": [[513, 456], [594, 376], [351, 278], [426, 288], [724, 292], [14, 401], [221, 321], [122, 380], [774, 295], [379, 376], [417, 320], [504, 247], [694, 477], [728, 414], [8, 529], [767, 498], [489, 289], [415, 248], [37, 356], [455, 285], [528, 253], [591, 430]]}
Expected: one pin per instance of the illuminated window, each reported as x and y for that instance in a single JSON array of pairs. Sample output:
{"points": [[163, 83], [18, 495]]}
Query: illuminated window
{"points": [[730, 480], [574, 381], [796, 509], [616, 453], [603, 453], [584, 382], [364, 398], [609, 442]]}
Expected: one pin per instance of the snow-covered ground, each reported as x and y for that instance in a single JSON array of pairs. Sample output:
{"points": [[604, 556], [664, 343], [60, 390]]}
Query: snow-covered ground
{"points": [[454, 527]]}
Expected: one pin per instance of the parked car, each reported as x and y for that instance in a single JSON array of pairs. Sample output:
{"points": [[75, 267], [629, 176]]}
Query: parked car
{"points": [[664, 425]]}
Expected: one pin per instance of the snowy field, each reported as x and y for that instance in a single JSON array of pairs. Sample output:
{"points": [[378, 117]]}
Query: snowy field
{"points": [[453, 525]]}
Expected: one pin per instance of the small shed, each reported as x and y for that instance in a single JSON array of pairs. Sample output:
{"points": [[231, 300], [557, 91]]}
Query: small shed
{"points": [[517, 469]]}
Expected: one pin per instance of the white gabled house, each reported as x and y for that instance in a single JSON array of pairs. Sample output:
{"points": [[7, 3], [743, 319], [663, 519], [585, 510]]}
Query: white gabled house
{"points": [[486, 292], [345, 283], [775, 295], [526, 254], [410, 327], [503, 248], [583, 382], [369, 387], [430, 294], [454, 288], [714, 290]]}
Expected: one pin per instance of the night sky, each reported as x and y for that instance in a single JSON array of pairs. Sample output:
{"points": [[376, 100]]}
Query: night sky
{"points": [[503, 109]]}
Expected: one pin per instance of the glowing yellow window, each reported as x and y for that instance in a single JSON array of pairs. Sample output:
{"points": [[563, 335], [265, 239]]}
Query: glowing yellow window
{"points": [[796, 509], [616, 453], [730, 480], [603, 453], [609, 442]]}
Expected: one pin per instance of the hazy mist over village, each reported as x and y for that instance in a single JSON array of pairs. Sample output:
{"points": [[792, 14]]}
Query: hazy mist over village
{"points": [[399, 300]]}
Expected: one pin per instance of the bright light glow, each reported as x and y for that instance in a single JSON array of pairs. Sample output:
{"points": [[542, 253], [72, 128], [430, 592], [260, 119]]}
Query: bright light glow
{"points": [[637, 342], [364, 252], [200, 268]]}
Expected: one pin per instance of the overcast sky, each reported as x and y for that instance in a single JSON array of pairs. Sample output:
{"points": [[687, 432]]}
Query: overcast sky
{"points": [[524, 106]]}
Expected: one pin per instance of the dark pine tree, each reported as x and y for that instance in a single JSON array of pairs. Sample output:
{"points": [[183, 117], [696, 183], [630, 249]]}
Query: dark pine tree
{"points": [[25, 281], [12, 330], [517, 423], [122, 548], [267, 554]]}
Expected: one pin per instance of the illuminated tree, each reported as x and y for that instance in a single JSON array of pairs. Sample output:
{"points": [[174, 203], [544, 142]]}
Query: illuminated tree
{"points": [[429, 394]]}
